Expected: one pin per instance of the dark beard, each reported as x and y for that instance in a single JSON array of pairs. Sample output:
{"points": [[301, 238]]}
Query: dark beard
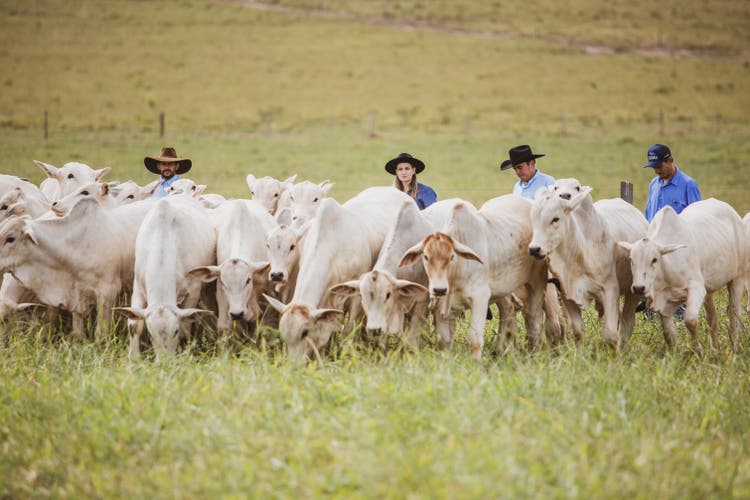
{"points": [[167, 175]]}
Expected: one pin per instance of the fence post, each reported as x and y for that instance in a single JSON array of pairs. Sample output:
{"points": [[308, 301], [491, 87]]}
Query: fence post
{"points": [[626, 191], [161, 124], [467, 125], [46, 126], [563, 128]]}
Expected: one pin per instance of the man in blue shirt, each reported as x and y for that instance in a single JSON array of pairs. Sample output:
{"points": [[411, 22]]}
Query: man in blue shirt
{"points": [[168, 165], [523, 162], [671, 186]]}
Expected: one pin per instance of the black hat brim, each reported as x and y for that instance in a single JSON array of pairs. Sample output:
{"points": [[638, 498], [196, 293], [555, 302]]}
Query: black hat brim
{"points": [[507, 163], [185, 165], [390, 167]]}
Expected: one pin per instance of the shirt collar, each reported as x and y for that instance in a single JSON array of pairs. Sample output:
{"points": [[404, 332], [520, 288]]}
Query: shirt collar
{"points": [[527, 184]]}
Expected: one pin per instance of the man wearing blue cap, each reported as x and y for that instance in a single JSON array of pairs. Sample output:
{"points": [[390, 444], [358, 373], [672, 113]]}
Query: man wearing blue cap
{"points": [[671, 186]]}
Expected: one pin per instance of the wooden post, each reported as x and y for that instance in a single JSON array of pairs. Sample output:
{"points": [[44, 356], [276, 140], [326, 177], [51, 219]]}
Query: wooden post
{"points": [[46, 126], [161, 124], [718, 122], [267, 118], [563, 128], [626, 191], [467, 125]]}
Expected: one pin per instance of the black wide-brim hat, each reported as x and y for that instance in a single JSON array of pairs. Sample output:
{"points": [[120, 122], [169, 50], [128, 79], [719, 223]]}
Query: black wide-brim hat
{"points": [[167, 155], [519, 154], [418, 165]]}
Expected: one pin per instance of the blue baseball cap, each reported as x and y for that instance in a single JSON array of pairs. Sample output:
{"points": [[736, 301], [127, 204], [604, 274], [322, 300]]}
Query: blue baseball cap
{"points": [[656, 155]]}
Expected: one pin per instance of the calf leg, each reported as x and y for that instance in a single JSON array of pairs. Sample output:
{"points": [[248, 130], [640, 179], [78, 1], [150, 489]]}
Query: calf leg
{"points": [[507, 327], [135, 327], [553, 328], [734, 309], [78, 329], [576, 320], [713, 322], [667, 326], [627, 317], [444, 330], [696, 294], [476, 325], [611, 304]]}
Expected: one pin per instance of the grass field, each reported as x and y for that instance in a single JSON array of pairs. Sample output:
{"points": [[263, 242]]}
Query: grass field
{"points": [[332, 90]]}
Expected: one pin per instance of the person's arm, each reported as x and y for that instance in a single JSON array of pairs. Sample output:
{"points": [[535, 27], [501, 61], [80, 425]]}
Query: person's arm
{"points": [[428, 196]]}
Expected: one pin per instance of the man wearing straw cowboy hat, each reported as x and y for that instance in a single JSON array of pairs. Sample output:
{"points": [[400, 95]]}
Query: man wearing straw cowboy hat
{"points": [[169, 166], [523, 162]]}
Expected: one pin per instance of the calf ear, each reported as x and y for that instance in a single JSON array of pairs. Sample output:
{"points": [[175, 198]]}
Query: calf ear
{"points": [[284, 217], [250, 180], [577, 199], [625, 245], [199, 189], [50, 171], [276, 304], [347, 289], [101, 172], [411, 289], [207, 274], [326, 186], [466, 252], [15, 209], [103, 189], [665, 249], [411, 255], [260, 271], [134, 313], [327, 315], [29, 233], [27, 305], [288, 183], [192, 313]]}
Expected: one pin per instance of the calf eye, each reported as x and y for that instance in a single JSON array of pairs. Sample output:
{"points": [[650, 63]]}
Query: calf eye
{"points": [[304, 334], [387, 295], [192, 188], [555, 220], [291, 198], [425, 257], [249, 280], [85, 193], [10, 239], [578, 188], [131, 197], [315, 200], [71, 176], [276, 195], [653, 261], [4, 207], [292, 247]]}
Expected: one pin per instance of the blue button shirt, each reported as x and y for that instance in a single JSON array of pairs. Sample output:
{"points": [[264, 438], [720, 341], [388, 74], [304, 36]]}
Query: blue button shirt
{"points": [[529, 189], [160, 191], [425, 196], [678, 192]]}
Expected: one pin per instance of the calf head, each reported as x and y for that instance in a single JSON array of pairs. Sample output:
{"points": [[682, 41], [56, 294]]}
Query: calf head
{"points": [[11, 203], [96, 191], [15, 234], [128, 192], [305, 330], [163, 323], [283, 251], [646, 263], [438, 252], [305, 199], [385, 299], [567, 188], [71, 175], [240, 282], [268, 190], [550, 215]]}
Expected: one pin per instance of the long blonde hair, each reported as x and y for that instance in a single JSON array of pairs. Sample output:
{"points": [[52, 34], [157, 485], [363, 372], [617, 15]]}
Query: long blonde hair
{"points": [[412, 187]]}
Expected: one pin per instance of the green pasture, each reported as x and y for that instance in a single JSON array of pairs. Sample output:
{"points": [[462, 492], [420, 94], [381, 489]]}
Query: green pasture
{"points": [[332, 90]]}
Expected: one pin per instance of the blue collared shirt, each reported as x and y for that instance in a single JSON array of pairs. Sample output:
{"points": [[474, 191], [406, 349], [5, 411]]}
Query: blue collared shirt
{"points": [[529, 189], [160, 191], [678, 192], [426, 196]]}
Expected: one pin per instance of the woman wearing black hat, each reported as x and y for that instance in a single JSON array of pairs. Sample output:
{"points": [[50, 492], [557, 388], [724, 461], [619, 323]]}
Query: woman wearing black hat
{"points": [[405, 167]]}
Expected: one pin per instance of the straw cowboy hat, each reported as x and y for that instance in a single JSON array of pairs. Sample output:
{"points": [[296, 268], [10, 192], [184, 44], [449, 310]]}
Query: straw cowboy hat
{"points": [[167, 155], [519, 154], [418, 165]]}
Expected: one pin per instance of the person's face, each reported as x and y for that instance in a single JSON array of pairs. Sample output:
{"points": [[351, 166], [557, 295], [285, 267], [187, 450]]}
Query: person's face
{"points": [[526, 170], [405, 172], [167, 169], [666, 170]]}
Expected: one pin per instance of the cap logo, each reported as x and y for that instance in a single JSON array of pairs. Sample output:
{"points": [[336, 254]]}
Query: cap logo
{"points": [[653, 156]]}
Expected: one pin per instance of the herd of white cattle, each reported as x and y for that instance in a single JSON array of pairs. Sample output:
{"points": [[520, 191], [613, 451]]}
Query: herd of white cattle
{"points": [[78, 244]]}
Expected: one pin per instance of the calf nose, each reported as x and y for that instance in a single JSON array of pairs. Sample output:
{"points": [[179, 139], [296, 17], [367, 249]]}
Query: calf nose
{"points": [[565, 196], [639, 289], [536, 252], [439, 291], [236, 316], [277, 276], [54, 204]]}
